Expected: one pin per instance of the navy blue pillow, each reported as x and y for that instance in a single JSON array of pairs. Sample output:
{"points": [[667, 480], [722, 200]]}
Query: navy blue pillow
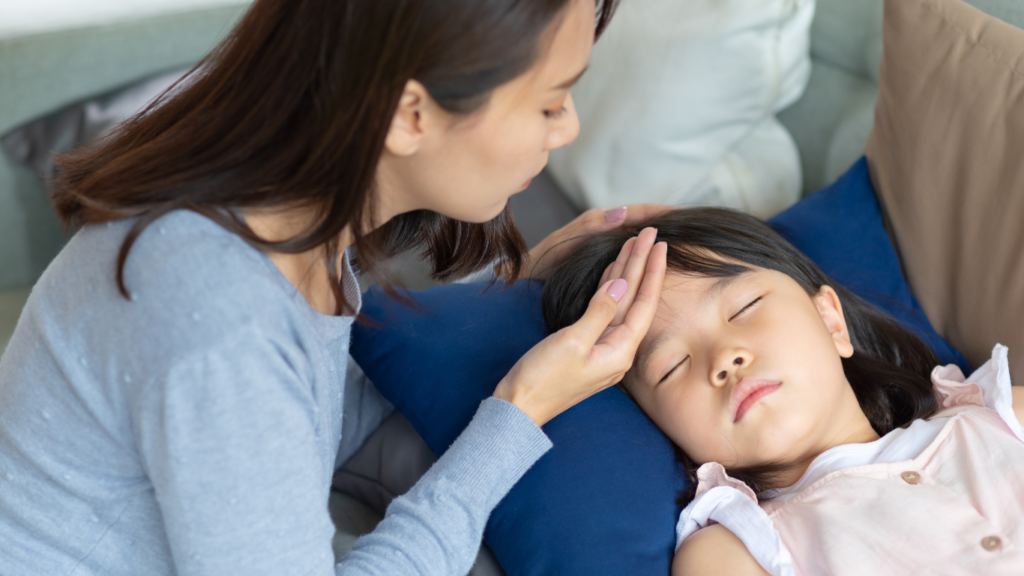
{"points": [[840, 228], [602, 501]]}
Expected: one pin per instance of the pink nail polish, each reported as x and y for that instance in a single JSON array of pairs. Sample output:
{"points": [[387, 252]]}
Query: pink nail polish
{"points": [[617, 289], [615, 215]]}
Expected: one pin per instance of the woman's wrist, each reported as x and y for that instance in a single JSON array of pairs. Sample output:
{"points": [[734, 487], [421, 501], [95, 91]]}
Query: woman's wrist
{"points": [[519, 398]]}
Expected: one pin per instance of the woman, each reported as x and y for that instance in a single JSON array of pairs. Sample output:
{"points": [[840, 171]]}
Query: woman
{"points": [[170, 402]]}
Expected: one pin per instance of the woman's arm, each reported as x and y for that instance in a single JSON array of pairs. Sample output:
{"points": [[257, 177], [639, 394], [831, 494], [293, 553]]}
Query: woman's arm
{"points": [[233, 443], [229, 437], [437, 527], [714, 550]]}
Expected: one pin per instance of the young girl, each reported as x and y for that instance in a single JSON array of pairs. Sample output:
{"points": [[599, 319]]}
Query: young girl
{"points": [[820, 436]]}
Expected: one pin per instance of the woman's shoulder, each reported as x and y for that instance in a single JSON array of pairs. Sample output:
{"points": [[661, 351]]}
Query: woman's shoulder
{"points": [[190, 283], [182, 255], [181, 250]]}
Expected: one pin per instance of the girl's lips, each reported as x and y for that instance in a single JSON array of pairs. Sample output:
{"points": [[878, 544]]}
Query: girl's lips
{"points": [[748, 393], [527, 184]]}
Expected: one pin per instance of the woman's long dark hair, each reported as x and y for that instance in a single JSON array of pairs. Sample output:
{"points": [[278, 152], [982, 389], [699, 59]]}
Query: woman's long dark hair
{"points": [[292, 109], [890, 367]]}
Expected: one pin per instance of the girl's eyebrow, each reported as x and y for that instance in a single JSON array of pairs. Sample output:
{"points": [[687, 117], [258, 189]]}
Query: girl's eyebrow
{"points": [[720, 286], [646, 349]]}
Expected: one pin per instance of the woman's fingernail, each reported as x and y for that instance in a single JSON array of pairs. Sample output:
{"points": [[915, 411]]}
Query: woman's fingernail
{"points": [[615, 215], [617, 289]]}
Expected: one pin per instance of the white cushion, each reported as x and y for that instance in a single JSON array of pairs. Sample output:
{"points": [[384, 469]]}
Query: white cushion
{"points": [[678, 106]]}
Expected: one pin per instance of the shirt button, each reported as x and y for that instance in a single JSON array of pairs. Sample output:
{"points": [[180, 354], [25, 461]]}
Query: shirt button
{"points": [[991, 543], [911, 477]]}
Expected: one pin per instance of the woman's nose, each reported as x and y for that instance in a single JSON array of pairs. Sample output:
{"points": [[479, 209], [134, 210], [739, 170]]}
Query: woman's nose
{"points": [[565, 128]]}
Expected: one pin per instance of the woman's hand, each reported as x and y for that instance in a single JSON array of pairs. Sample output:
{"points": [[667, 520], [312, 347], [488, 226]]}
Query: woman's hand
{"points": [[548, 254], [595, 352]]}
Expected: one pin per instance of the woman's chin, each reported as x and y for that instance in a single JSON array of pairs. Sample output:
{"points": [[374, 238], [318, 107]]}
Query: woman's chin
{"points": [[484, 215]]}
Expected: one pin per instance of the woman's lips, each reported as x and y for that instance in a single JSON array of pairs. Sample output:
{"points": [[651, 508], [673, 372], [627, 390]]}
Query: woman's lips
{"points": [[748, 393]]}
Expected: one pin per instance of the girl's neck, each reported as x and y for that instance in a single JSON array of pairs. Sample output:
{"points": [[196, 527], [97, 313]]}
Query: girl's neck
{"points": [[856, 429]]}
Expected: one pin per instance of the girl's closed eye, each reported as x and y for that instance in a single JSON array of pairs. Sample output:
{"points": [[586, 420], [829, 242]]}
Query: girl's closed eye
{"points": [[673, 369], [746, 308], [742, 311]]}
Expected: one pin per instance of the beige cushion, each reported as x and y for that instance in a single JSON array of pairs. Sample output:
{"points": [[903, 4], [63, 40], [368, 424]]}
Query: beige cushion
{"points": [[947, 156]]}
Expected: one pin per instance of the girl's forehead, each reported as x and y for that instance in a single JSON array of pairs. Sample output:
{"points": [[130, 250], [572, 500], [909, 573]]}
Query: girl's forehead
{"points": [[690, 294], [709, 286]]}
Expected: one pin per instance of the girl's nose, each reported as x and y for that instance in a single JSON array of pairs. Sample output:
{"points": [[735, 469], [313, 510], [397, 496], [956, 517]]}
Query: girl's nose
{"points": [[728, 363], [724, 374]]}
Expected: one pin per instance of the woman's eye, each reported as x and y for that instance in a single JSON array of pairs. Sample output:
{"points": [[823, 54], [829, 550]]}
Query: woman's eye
{"points": [[747, 307], [554, 114]]}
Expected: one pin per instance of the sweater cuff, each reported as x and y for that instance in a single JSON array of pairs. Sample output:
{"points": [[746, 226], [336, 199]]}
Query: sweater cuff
{"points": [[497, 448]]}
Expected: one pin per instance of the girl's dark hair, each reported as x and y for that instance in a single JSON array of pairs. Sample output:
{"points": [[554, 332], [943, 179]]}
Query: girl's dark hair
{"points": [[889, 370], [292, 110]]}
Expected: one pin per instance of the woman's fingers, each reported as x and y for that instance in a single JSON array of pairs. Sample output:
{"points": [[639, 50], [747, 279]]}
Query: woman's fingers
{"points": [[646, 273], [641, 313], [546, 256], [619, 266], [633, 270], [588, 356], [604, 304], [614, 270], [627, 336], [637, 214]]}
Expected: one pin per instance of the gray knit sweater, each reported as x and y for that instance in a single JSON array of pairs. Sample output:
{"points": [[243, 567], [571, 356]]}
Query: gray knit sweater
{"points": [[193, 429]]}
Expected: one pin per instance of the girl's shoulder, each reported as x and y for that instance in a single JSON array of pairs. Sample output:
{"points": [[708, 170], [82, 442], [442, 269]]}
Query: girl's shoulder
{"points": [[728, 502], [987, 387], [715, 550]]}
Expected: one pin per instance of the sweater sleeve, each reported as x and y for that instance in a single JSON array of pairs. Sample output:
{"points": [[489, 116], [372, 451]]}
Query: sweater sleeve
{"points": [[229, 440], [436, 528]]}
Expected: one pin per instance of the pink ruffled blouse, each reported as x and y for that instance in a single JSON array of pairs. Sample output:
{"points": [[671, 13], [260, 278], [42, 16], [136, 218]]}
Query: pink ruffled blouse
{"points": [[942, 496]]}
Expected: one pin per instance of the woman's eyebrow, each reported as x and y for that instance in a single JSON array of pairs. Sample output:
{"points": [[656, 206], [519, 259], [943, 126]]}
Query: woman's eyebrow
{"points": [[569, 83]]}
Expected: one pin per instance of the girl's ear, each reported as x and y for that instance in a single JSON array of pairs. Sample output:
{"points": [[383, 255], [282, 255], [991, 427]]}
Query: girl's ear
{"points": [[831, 310]]}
